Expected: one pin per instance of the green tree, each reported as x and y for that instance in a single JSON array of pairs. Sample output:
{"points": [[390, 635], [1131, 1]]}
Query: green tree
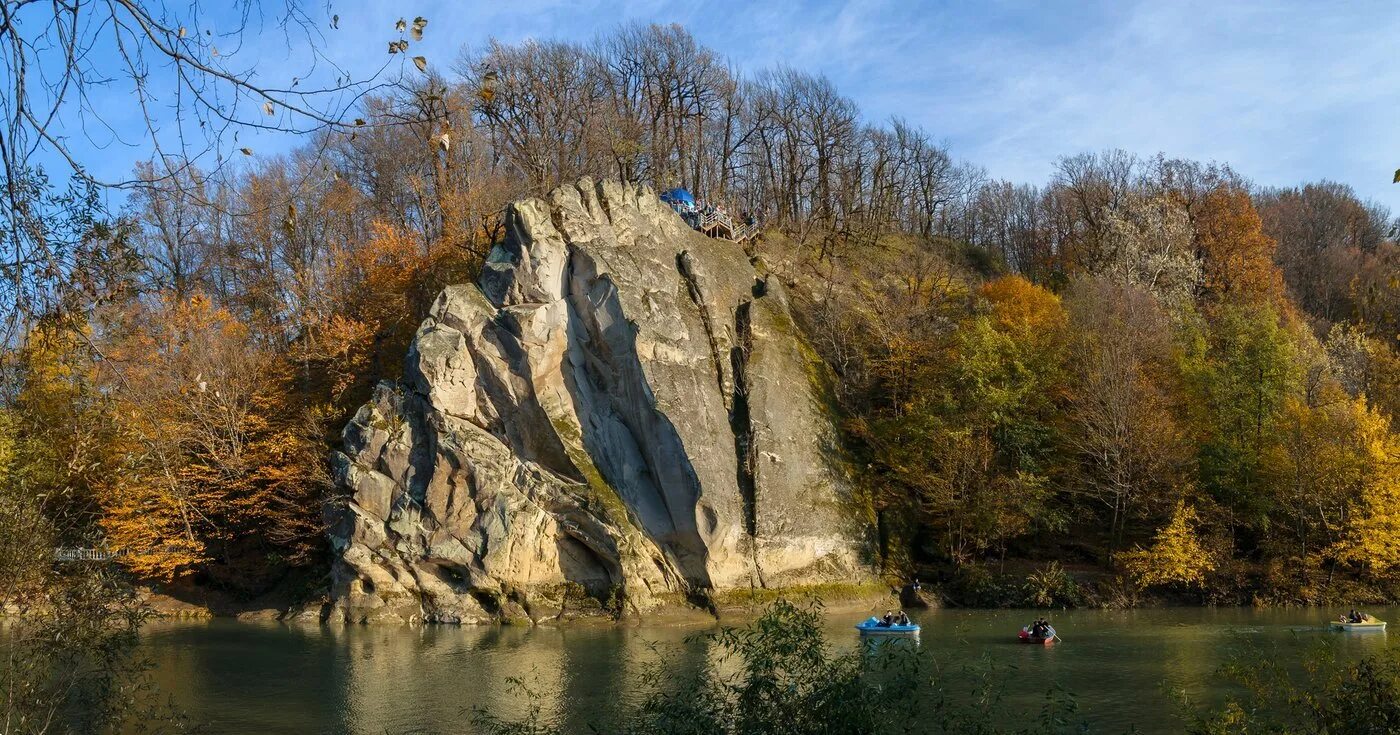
{"points": [[1240, 365]]}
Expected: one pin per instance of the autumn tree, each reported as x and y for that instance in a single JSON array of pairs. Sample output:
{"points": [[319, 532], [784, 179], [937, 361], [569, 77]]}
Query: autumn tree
{"points": [[1370, 538], [1323, 232], [976, 456], [186, 376], [1237, 258], [1177, 555], [1124, 405]]}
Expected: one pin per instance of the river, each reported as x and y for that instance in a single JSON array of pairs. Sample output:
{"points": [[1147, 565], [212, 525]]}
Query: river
{"points": [[238, 677]]}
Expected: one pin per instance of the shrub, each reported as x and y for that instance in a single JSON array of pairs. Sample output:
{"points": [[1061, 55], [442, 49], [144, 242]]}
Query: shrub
{"points": [[1052, 587], [1324, 696]]}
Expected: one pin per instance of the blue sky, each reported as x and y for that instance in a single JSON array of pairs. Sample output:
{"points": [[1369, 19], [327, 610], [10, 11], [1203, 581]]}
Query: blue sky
{"points": [[1285, 92]]}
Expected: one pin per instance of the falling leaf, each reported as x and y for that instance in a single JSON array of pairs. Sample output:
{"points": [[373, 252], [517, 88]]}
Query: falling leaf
{"points": [[246, 151], [417, 33], [268, 108], [295, 81], [181, 33], [359, 121], [291, 212], [400, 26], [335, 21], [421, 63], [1397, 177], [444, 141], [393, 47], [214, 50]]}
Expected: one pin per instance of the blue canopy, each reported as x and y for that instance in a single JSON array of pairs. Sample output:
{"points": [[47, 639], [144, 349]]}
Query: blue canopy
{"points": [[678, 195]]}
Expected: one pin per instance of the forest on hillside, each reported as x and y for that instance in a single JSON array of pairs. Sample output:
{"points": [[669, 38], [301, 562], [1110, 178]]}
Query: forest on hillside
{"points": [[1148, 368]]}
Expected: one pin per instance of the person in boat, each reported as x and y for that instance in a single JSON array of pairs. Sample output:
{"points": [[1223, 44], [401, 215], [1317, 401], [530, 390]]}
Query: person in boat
{"points": [[888, 620], [903, 618]]}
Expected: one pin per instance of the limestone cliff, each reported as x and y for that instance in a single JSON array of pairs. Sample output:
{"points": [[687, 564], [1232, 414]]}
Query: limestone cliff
{"points": [[620, 414]]}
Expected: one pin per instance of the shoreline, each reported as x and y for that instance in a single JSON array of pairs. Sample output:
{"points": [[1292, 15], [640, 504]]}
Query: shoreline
{"points": [[731, 605]]}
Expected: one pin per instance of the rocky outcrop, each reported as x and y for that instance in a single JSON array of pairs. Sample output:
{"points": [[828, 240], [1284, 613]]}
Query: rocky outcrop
{"points": [[620, 414]]}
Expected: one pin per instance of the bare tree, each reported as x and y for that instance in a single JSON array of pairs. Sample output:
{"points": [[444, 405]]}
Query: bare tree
{"points": [[195, 92]]}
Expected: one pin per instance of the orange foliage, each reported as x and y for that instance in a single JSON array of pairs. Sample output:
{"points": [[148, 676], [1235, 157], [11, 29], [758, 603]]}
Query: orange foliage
{"points": [[376, 290], [1022, 309], [1238, 257], [214, 459]]}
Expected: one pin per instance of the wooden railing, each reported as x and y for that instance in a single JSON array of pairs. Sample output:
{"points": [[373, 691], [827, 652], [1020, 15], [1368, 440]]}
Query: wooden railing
{"points": [[718, 224], [72, 554]]}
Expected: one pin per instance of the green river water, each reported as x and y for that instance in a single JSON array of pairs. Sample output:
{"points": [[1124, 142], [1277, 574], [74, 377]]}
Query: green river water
{"points": [[1121, 666]]}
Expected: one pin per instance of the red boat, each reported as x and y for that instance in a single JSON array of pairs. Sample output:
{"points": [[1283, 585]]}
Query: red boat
{"points": [[1027, 636]]}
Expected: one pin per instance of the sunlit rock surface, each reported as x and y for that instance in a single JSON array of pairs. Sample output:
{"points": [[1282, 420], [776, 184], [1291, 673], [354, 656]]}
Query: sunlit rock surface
{"points": [[620, 414]]}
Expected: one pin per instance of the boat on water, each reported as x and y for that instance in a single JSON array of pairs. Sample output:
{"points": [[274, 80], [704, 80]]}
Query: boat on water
{"points": [[873, 626], [1372, 624], [1026, 636]]}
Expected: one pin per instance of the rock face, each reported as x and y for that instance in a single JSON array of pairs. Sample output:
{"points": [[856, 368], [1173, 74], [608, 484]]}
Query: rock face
{"points": [[621, 414]]}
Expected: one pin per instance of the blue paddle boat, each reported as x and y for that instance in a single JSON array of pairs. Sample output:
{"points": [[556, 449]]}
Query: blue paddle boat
{"points": [[873, 626]]}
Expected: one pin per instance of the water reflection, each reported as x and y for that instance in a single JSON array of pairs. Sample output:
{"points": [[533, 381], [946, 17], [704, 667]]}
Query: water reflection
{"points": [[245, 677]]}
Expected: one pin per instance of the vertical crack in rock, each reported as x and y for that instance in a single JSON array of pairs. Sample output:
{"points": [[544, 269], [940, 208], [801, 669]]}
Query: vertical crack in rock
{"points": [[741, 424]]}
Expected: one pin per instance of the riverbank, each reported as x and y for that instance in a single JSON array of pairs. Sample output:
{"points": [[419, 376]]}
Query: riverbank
{"points": [[195, 602], [1013, 584]]}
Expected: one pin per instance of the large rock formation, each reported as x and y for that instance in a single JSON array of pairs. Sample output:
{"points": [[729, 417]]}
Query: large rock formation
{"points": [[620, 414]]}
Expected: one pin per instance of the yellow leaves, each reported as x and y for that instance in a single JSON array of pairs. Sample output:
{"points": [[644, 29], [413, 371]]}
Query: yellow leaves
{"points": [[188, 373], [1022, 308], [421, 63], [1371, 538], [148, 522], [1176, 555]]}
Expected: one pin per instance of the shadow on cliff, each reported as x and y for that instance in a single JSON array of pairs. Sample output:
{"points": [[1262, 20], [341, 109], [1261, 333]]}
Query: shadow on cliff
{"points": [[635, 446]]}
